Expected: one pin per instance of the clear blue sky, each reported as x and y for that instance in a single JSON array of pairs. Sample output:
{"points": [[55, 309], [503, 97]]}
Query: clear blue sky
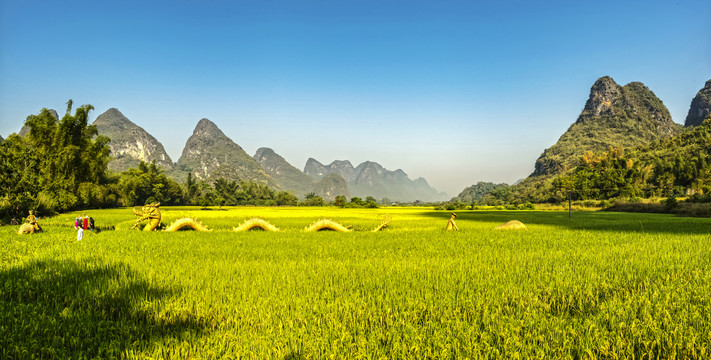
{"points": [[453, 91]]}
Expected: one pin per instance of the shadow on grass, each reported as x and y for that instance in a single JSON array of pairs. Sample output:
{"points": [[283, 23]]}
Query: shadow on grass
{"points": [[585, 220], [66, 309]]}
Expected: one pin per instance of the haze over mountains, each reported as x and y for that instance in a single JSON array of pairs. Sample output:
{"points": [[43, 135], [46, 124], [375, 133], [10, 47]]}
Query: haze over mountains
{"points": [[613, 115], [209, 154], [371, 179]]}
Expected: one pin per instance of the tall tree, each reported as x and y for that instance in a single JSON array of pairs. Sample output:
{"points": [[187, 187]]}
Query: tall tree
{"points": [[46, 168]]}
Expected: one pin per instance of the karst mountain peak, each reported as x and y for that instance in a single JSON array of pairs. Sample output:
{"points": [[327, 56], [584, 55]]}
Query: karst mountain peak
{"points": [[209, 154]]}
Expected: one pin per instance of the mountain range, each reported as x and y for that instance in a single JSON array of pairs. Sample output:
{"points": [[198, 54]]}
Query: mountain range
{"points": [[371, 179], [209, 154], [613, 116]]}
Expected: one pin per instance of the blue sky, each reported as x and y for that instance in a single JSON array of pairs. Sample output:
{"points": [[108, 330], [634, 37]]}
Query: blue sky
{"points": [[453, 91]]}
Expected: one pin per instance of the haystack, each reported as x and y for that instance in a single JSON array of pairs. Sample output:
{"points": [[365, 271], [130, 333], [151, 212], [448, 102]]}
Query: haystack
{"points": [[26, 228], [256, 223], [512, 225]]}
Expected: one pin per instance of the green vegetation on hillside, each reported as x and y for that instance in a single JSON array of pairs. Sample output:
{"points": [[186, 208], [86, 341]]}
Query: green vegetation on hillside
{"points": [[481, 192], [673, 166], [676, 166], [589, 161], [620, 116]]}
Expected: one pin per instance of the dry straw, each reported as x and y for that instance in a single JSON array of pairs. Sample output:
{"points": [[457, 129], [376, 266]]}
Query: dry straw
{"points": [[326, 224], [26, 228], [512, 225], [256, 223], [187, 223]]}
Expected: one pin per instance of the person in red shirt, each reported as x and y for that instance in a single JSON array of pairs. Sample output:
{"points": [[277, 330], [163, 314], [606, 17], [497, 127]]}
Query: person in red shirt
{"points": [[85, 221]]}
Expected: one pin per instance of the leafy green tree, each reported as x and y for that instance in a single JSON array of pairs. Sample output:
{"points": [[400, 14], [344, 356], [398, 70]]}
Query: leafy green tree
{"points": [[191, 188], [227, 190], [340, 201], [138, 185], [371, 202], [47, 168], [285, 198], [313, 201]]}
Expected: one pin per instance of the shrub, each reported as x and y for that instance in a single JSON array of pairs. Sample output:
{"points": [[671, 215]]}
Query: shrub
{"points": [[670, 204]]}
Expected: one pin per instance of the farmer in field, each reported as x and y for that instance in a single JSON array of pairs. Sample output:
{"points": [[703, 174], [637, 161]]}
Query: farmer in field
{"points": [[32, 219], [80, 233], [451, 225], [84, 221]]}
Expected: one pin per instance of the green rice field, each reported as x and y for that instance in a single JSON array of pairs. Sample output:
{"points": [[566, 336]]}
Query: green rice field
{"points": [[598, 285]]}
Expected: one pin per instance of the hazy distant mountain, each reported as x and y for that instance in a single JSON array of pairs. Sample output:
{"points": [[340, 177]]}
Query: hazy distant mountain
{"points": [[614, 115], [344, 168], [290, 178], [371, 179], [287, 176], [130, 144], [26, 129], [331, 186], [700, 106], [210, 154]]}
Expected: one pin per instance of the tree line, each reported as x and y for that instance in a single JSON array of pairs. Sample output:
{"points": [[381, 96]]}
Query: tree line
{"points": [[61, 165]]}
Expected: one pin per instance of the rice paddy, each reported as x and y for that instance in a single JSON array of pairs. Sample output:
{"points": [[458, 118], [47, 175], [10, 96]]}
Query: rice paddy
{"points": [[599, 285]]}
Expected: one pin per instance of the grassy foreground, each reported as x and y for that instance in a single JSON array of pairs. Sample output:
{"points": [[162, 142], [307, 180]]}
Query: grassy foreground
{"points": [[599, 285]]}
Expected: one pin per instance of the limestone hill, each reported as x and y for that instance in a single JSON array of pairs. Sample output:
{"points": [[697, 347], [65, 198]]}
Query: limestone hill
{"points": [[209, 154], [130, 144], [700, 107], [614, 115]]}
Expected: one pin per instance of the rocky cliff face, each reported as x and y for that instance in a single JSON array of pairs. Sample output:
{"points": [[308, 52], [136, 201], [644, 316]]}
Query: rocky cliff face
{"points": [[614, 115], [700, 106], [130, 144], [210, 154], [371, 179], [603, 94]]}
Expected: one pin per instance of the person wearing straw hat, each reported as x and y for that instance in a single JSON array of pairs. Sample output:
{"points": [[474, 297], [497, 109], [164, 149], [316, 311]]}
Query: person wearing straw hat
{"points": [[451, 225]]}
